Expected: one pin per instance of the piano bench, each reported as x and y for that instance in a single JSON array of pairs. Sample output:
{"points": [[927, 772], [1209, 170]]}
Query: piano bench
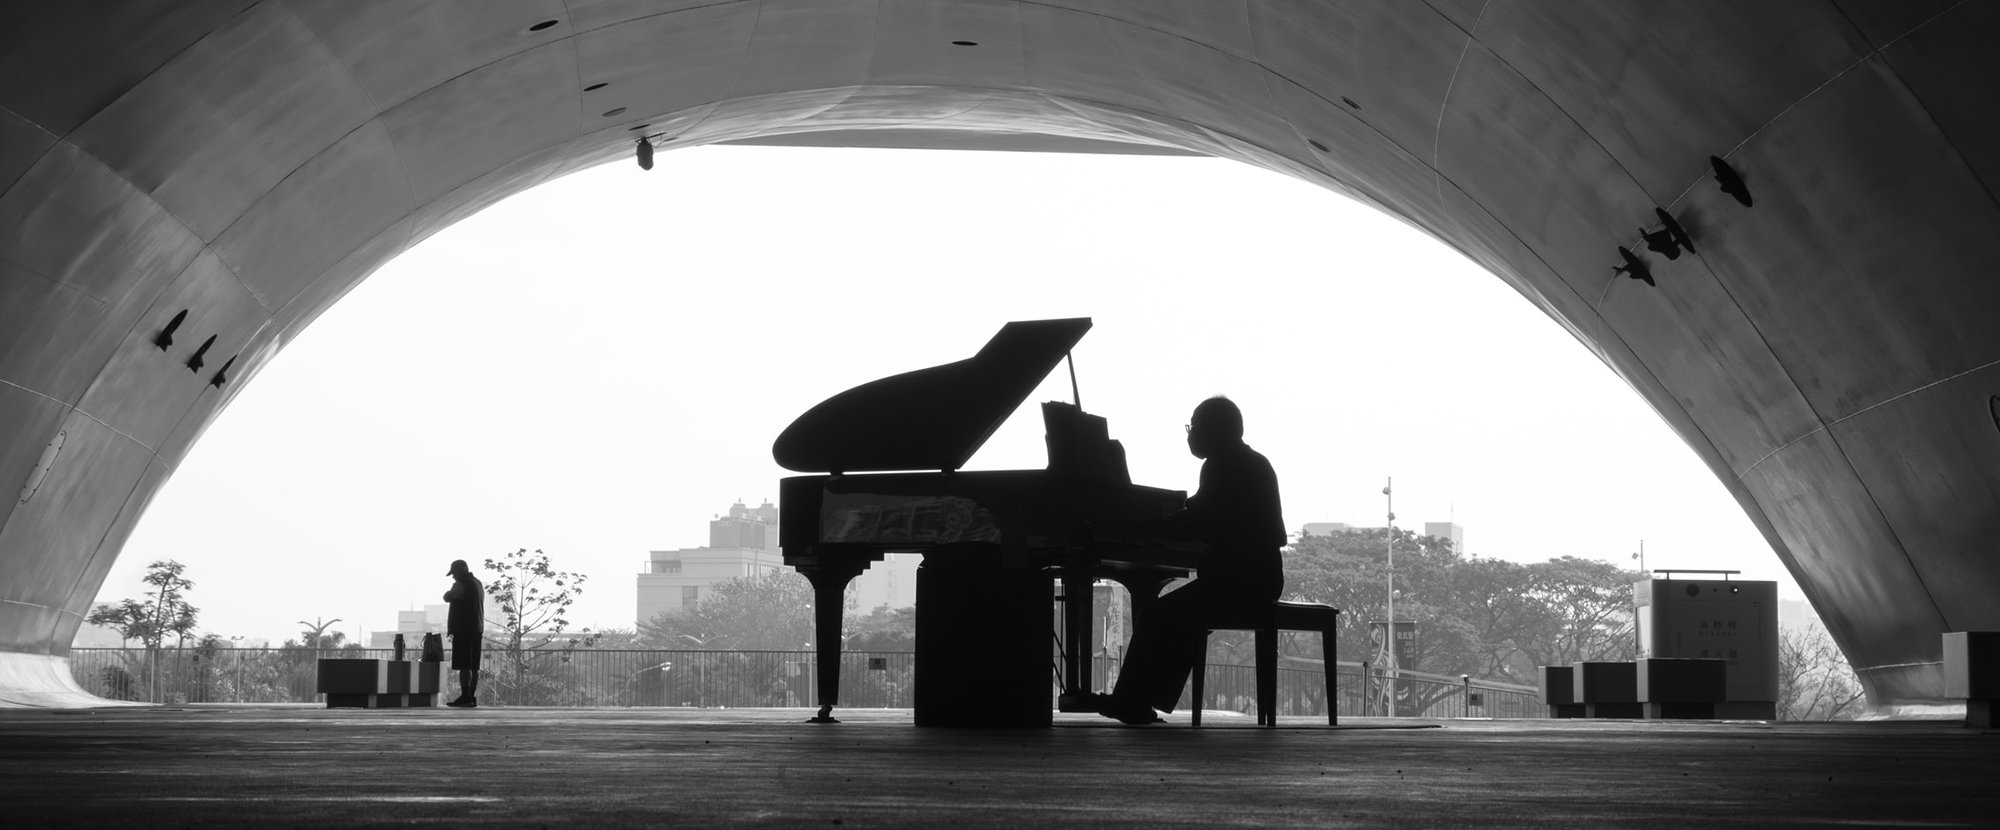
{"points": [[1282, 616]]}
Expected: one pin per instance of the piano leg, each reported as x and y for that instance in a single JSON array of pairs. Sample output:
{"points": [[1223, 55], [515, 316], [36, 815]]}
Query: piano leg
{"points": [[829, 595]]}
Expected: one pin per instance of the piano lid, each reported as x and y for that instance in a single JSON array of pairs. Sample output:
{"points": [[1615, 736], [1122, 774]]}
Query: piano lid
{"points": [[929, 419]]}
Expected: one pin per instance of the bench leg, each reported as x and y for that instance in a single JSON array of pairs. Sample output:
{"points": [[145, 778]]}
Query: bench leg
{"points": [[1329, 647], [1267, 677]]}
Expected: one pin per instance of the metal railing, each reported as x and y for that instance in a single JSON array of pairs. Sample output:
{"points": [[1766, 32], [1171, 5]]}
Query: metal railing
{"points": [[712, 679]]}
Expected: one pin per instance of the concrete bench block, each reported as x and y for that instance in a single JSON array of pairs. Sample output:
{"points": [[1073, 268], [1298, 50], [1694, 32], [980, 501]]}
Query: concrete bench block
{"points": [[1679, 711], [1632, 711], [430, 678], [1665, 680], [1596, 682], [398, 676], [1558, 685], [379, 700], [1747, 710], [407, 677], [1972, 665], [348, 676]]}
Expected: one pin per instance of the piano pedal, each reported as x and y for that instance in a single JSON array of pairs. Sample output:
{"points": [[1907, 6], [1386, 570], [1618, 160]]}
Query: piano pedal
{"points": [[825, 716]]}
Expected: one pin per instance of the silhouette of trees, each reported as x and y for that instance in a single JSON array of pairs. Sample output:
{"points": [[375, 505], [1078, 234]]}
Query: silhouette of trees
{"points": [[747, 613], [529, 651], [1814, 680], [1487, 618], [165, 612]]}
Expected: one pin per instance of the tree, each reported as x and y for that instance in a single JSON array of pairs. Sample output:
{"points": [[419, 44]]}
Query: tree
{"points": [[884, 629], [771, 612], [1487, 618], [165, 612], [746, 613], [1815, 681], [533, 644]]}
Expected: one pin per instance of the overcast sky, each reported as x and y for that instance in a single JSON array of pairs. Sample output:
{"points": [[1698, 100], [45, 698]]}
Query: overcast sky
{"points": [[599, 365]]}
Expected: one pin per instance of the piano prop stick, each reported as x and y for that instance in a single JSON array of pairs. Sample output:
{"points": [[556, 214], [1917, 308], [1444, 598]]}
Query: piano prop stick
{"points": [[886, 459]]}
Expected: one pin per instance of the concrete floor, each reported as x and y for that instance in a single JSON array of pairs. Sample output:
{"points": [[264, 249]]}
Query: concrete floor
{"points": [[307, 767]]}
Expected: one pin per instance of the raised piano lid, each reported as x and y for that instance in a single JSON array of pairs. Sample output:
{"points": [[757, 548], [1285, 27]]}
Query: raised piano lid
{"points": [[929, 419]]}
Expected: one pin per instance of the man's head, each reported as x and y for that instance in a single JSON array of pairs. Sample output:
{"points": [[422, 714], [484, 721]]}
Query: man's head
{"points": [[1216, 423], [458, 567]]}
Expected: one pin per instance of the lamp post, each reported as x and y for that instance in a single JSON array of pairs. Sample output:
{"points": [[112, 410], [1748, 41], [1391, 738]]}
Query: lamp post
{"points": [[701, 669], [1389, 636], [1638, 640]]}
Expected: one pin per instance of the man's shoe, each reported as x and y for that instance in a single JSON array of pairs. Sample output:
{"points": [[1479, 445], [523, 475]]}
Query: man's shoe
{"points": [[457, 701]]}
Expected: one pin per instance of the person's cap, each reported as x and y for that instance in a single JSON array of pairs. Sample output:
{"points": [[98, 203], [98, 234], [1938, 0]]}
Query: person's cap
{"points": [[457, 567]]}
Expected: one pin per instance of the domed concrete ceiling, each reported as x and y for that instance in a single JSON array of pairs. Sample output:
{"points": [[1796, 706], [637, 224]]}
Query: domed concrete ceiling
{"points": [[1823, 345]]}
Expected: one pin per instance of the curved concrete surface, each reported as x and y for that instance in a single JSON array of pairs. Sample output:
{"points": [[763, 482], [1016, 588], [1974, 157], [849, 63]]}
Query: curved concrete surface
{"points": [[1826, 351]]}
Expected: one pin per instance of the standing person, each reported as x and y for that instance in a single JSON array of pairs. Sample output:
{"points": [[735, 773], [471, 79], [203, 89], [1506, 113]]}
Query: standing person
{"points": [[467, 625], [1236, 514]]}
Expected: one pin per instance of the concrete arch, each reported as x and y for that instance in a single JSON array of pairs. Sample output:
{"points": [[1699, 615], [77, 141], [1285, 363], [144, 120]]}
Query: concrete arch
{"points": [[1825, 353]]}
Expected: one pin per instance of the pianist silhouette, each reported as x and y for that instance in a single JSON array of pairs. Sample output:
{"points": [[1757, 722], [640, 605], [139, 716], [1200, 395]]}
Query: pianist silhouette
{"points": [[1236, 514]]}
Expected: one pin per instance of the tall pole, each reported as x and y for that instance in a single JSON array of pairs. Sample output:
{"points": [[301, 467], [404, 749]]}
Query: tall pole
{"points": [[1638, 640], [1389, 636]]}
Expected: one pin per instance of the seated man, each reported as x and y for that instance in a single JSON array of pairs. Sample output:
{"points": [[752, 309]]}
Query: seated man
{"points": [[1236, 513]]}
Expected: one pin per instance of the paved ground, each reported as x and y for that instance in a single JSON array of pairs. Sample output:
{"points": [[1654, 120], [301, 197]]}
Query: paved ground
{"points": [[305, 767]]}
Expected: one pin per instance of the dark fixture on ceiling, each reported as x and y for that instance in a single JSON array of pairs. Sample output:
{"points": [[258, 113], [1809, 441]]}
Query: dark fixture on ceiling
{"points": [[542, 25], [1730, 182], [1317, 146], [194, 363], [614, 111], [222, 375], [645, 154], [596, 86], [1634, 267], [1670, 239], [166, 335], [1349, 102], [965, 43]]}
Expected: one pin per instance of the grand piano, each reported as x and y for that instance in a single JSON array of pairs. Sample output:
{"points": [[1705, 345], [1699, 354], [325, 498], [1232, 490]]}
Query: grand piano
{"points": [[887, 459]]}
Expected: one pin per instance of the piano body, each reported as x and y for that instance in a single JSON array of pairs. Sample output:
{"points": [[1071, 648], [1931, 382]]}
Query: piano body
{"points": [[888, 455]]}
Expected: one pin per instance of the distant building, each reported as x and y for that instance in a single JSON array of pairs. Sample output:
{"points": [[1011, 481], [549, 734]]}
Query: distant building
{"points": [[745, 543], [413, 625], [1325, 528], [1447, 530]]}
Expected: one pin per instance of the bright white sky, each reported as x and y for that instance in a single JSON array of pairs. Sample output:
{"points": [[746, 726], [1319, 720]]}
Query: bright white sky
{"points": [[598, 366]]}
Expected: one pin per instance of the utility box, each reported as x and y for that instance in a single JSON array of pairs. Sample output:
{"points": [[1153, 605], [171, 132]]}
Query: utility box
{"points": [[1716, 618]]}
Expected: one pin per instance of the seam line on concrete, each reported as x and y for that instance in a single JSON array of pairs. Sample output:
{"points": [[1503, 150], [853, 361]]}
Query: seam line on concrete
{"points": [[30, 166], [53, 282], [1444, 105], [1886, 666], [1943, 135], [577, 93], [72, 408], [85, 121], [409, 187], [1869, 408], [131, 495]]}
